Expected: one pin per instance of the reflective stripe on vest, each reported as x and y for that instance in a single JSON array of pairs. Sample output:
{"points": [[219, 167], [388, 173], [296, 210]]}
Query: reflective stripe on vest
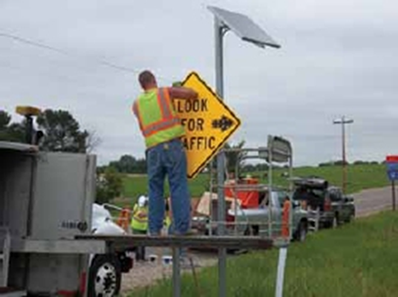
{"points": [[167, 121]]}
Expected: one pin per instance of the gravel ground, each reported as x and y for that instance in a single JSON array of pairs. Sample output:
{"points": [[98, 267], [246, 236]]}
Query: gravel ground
{"points": [[144, 274]]}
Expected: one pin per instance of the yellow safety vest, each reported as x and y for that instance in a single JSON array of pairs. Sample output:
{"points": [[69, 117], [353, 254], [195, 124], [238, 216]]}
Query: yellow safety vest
{"points": [[157, 117], [138, 223], [167, 221]]}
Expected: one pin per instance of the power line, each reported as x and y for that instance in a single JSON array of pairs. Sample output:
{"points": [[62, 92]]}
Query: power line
{"points": [[60, 51], [37, 44]]}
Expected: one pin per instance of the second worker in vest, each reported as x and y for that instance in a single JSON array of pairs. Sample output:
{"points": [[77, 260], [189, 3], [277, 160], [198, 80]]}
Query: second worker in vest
{"points": [[139, 224], [165, 152]]}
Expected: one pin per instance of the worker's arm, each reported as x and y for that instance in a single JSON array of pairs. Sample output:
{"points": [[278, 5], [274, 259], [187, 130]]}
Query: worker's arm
{"points": [[182, 93]]}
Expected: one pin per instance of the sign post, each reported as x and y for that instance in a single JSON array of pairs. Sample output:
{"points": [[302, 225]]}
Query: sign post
{"points": [[393, 194], [248, 31], [392, 172]]}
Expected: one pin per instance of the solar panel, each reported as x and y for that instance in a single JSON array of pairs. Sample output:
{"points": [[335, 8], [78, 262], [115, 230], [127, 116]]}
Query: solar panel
{"points": [[244, 27]]}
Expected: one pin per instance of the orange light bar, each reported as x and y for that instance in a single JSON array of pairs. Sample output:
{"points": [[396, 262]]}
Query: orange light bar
{"points": [[28, 110]]}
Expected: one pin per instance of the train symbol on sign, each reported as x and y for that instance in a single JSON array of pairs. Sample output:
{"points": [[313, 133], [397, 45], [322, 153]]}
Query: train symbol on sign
{"points": [[224, 123]]}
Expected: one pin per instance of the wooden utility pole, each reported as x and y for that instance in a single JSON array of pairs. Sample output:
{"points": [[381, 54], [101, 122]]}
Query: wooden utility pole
{"points": [[343, 121]]}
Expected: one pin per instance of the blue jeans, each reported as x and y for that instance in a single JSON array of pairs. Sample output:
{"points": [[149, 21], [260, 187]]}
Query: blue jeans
{"points": [[169, 159]]}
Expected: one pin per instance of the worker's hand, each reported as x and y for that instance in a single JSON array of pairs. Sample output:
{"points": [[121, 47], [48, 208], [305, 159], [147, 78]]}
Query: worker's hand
{"points": [[177, 84], [142, 215], [183, 93]]}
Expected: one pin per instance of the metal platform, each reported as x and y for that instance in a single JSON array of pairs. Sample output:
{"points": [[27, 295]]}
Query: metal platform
{"points": [[62, 246], [7, 292], [115, 243], [235, 242]]}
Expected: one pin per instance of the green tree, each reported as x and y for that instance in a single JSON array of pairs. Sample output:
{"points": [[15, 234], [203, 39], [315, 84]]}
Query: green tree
{"points": [[62, 133], [234, 158], [129, 164], [125, 164], [109, 185], [14, 132], [341, 162], [5, 120]]}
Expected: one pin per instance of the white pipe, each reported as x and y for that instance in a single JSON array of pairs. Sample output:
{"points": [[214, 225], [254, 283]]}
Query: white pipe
{"points": [[281, 271]]}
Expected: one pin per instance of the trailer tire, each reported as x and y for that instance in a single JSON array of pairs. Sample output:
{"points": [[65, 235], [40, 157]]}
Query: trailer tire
{"points": [[104, 277]]}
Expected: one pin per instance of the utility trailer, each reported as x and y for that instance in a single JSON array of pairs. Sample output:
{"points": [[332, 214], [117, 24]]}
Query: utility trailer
{"points": [[254, 207], [46, 201]]}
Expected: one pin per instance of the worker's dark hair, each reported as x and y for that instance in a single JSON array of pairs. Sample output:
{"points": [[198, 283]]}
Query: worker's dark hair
{"points": [[146, 77]]}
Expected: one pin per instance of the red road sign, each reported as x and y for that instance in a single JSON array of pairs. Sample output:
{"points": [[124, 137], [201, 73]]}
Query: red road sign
{"points": [[392, 158]]}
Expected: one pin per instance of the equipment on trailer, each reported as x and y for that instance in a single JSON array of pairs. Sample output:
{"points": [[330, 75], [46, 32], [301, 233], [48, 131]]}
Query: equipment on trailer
{"points": [[46, 199]]}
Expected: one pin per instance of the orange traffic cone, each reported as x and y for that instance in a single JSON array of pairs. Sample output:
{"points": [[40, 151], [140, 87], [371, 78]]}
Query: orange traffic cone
{"points": [[124, 219], [285, 218]]}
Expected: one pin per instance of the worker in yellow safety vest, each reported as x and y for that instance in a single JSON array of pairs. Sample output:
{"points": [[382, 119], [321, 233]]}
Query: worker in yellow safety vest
{"points": [[139, 223], [165, 153]]}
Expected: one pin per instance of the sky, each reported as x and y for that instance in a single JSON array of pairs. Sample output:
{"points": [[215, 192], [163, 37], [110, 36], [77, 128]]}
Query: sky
{"points": [[336, 58]]}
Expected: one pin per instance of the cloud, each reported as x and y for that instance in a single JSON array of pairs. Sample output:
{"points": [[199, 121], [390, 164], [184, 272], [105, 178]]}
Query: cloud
{"points": [[337, 58]]}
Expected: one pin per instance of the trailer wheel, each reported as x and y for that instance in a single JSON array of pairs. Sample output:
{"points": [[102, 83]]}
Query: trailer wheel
{"points": [[104, 276]]}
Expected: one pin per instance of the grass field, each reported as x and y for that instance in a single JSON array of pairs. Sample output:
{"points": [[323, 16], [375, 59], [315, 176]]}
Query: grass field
{"points": [[359, 177], [358, 259]]}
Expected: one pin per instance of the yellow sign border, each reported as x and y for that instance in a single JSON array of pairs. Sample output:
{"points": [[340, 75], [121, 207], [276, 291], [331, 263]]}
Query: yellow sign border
{"points": [[222, 143]]}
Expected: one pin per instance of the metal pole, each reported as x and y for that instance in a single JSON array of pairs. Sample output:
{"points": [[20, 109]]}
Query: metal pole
{"points": [[291, 198], [211, 198], [290, 173], [343, 153], [236, 194], [393, 194], [270, 148], [222, 261], [29, 129], [343, 121], [176, 272]]}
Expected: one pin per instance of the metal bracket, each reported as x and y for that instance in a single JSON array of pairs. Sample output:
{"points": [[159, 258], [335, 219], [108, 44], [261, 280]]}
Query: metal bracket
{"points": [[224, 29]]}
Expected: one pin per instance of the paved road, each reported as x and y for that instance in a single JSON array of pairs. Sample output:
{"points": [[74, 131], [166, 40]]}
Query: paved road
{"points": [[372, 201], [367, 202]]}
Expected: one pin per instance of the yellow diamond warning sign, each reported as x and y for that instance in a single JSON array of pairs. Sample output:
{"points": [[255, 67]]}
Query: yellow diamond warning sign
{"points": [[208, 123]]}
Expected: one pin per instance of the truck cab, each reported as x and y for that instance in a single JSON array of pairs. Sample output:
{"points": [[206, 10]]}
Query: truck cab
{"points": [[324, 200]]}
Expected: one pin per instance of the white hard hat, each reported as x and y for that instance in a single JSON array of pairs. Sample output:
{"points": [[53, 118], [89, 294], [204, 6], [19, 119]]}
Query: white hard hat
{"points": [[141, 200]]}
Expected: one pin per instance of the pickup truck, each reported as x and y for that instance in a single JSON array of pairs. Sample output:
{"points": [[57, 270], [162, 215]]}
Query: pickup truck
{"points": [[334, 207], [255, 221]]}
